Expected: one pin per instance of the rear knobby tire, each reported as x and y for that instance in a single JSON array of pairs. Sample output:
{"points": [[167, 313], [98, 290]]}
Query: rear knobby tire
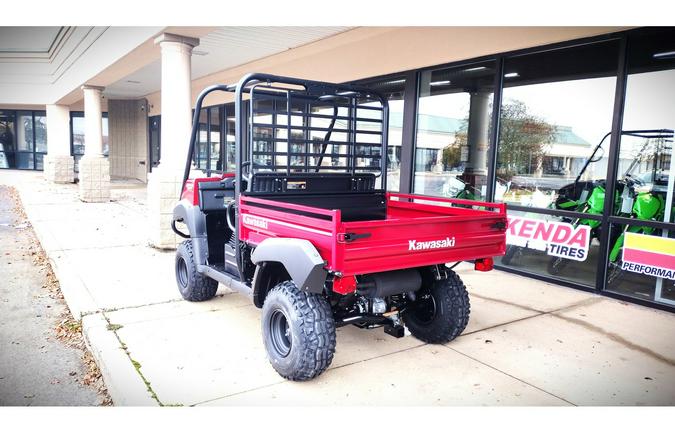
{"points": [[298, 332], [442, 311], [192, 285]]}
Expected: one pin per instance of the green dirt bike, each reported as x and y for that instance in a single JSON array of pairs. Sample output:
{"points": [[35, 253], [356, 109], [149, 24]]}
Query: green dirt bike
{"points": [[635, 201], [588, 204], [648, 205]]}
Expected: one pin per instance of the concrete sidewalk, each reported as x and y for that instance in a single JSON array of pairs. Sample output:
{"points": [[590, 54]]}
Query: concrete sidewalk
{"points": [[527, 343]]}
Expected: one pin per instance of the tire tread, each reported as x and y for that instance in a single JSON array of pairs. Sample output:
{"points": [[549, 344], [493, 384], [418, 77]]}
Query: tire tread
{"points": [[317, 325], [200, 288], [455, 309]]}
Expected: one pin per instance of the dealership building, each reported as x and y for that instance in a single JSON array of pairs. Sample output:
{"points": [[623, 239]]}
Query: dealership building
{"points": [[546, 119]]}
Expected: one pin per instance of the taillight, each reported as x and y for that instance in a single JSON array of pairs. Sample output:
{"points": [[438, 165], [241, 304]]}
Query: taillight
{"points": [[484, 264]]}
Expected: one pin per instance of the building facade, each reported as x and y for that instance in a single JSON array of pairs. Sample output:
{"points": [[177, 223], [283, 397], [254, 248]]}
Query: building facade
{"points": [[549, 120]]}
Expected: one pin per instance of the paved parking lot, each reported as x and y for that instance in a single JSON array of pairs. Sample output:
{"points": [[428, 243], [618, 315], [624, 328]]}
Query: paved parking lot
{"points": [[527, 343]]}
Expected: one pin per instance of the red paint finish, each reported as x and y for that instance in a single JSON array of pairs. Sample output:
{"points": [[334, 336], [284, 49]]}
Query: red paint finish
{"points": [[417, 231]]}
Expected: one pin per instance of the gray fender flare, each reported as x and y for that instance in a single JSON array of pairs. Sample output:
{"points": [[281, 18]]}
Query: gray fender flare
{"points": [[300, 258], [195, 220]]}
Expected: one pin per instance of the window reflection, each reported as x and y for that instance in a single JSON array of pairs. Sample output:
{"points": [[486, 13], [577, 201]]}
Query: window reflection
{"points": [[453, 129], [556, 109], [393, 90], [641, 259], [77, 144]]}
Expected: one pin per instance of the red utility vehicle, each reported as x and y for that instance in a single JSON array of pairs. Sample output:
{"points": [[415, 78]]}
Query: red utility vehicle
{"points": [[305, 229]]}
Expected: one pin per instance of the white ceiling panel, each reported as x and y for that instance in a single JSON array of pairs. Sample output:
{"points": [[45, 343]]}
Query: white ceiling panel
{"points": [[222, 49], [28, 39]]}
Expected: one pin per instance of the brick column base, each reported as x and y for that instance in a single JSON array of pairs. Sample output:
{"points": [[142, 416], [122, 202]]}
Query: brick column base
{"points": [[94, 179], [59, 168], [163, 192], [164, 188]]}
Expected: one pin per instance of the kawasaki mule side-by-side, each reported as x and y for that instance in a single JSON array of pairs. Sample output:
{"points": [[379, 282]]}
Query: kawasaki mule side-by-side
{"points": [[303, 228]]}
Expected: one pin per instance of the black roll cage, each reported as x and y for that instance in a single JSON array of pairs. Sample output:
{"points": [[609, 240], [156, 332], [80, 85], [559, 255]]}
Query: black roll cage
{"points": [[280, 87], [313, 90]]}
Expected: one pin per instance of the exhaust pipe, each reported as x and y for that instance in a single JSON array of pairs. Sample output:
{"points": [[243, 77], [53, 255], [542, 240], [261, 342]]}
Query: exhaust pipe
{"points": [[389, 283]]}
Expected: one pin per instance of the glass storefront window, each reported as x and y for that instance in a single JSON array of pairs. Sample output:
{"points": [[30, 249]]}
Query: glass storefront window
{"points": [[77, 135], [155, 123], [214, 139], [393, 89], [202, 140], [556, 114], [557, 107], [40, 132], [552, 246], [229, 153], [7, 139], [641, 259], [641, 262], [24, 138], [453, 130]]}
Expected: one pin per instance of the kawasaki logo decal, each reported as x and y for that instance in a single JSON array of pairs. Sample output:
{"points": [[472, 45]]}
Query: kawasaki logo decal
{"points": [[414, 245], [255, 221]]}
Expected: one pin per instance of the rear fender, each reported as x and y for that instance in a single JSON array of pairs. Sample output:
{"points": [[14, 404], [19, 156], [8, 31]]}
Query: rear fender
{"points": [[195, 220], [300, 259]]}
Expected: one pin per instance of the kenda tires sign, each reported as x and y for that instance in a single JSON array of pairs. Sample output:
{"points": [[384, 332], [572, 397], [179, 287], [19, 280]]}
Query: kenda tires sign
{"points": [[556, 238]]}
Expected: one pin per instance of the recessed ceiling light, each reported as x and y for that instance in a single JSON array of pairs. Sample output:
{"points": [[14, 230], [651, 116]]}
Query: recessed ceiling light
{"points": [[511, 75], [438, 83], [473, 69], [664, 55], [398, 81], [200, 52], [133, 82]]}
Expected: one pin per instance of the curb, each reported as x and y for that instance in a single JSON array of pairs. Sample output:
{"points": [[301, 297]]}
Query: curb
{"points": [[78, 299], [125, 386]]}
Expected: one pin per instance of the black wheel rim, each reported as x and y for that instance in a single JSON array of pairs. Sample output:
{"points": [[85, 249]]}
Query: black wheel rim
{"points": [[182, 273], [425, 310], [280, 333]]}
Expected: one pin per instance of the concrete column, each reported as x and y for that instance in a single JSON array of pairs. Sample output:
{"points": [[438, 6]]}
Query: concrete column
{"points": [[164, 182], [94, 167], [479, 124], [58, 163], [475, 173]]}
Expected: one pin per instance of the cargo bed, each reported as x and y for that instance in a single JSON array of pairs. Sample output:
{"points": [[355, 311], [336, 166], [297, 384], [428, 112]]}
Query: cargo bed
{"points": [[415, 231]]}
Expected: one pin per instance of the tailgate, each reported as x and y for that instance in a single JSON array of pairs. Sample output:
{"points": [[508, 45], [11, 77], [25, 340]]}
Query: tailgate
{"points": [[421, 231]]}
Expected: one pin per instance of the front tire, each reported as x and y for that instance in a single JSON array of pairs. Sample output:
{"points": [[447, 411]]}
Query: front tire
{"points": [[192, 285], [441, 312], [298, 332]]}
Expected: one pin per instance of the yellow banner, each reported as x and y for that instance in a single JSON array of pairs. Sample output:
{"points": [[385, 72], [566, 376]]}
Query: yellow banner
{"points": [[647, 243]]}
